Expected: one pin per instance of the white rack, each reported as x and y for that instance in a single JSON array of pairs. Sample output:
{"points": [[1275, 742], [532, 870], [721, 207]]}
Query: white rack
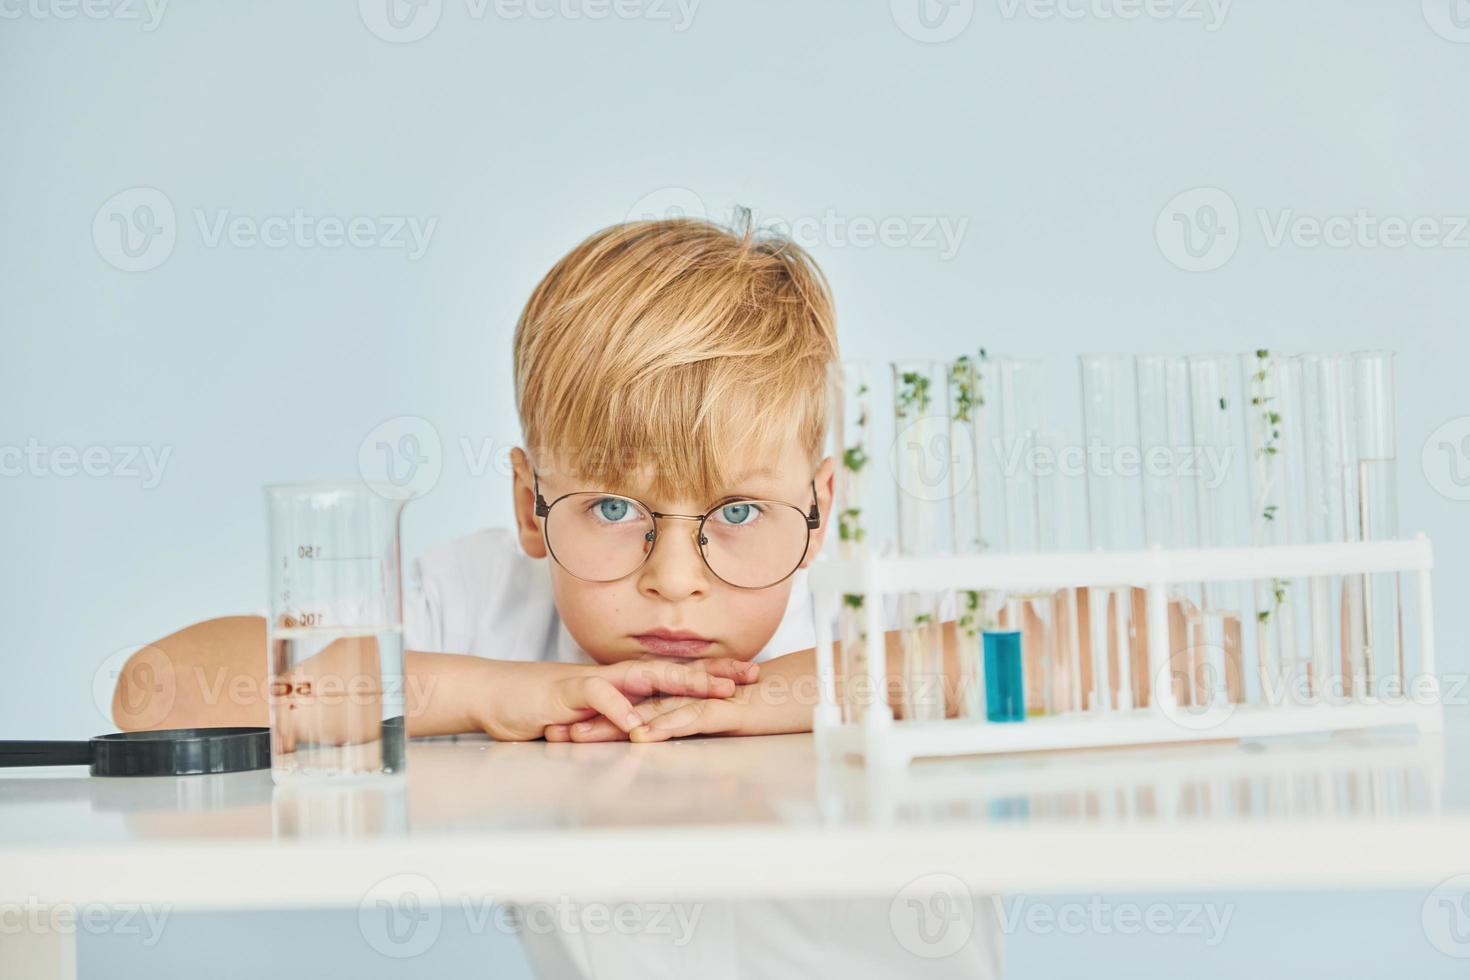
{"points": [[880, 739]]}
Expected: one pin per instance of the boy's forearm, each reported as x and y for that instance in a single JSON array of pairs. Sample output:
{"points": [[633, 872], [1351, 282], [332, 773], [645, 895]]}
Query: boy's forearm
{"points": [[214, 674]]}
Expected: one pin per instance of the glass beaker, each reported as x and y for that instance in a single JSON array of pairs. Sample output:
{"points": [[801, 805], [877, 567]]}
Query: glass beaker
{"points": [[334, 639]]}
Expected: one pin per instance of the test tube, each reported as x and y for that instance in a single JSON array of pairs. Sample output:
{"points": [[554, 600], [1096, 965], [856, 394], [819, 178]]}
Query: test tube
{"points": [[1329, 498], [851, 398], [1277, 470], [922, 459], [1218, 398], [1115, 522], [1021, 518], [1376, 472], [1170, 517], [966, 378]]}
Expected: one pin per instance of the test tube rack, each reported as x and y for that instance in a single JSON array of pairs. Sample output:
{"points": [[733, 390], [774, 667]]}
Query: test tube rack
{"points": [[881, 740]]}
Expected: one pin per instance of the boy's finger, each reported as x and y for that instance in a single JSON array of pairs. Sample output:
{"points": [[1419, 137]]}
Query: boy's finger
{"points": [[644, 679], [690, 719], [602, 730], [739, 671], [596, 730], [608, 701]]}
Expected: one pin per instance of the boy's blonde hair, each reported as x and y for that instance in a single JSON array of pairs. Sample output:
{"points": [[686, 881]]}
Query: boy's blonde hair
{"points": [[658, 348]]}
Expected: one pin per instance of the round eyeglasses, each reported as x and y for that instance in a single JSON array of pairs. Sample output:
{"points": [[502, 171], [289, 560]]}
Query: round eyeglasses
{"points": [[749, 544]]}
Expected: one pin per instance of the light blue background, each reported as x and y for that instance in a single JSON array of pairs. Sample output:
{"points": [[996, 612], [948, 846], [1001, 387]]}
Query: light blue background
{"points": [[1058, 140]]}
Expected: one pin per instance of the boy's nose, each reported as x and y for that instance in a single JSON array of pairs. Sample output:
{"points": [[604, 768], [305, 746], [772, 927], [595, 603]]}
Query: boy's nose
{"points": [[675, 570]]}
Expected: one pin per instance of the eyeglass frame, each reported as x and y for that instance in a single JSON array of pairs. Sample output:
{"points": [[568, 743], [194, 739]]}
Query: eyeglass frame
{"points": [[543, 510]]}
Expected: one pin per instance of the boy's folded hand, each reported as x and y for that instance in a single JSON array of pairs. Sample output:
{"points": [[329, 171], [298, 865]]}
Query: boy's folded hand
{"points": [[663, 718], [543, 696]]}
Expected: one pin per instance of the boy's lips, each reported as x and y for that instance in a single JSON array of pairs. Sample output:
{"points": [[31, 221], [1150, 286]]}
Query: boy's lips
{"points": [[672, 643]]}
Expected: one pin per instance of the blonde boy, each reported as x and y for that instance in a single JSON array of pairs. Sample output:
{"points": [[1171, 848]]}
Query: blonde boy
{"points": [[671, 379]]}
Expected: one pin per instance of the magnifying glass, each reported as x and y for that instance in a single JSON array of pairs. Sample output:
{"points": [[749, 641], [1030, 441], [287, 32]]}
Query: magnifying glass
{"points": [[168, 752]]}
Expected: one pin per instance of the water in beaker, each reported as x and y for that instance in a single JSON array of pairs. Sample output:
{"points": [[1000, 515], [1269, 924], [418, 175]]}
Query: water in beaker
{"points": [[334, 639]]}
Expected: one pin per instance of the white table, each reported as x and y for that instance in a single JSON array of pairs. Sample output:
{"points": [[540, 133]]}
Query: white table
{"points": [[755, 816]]}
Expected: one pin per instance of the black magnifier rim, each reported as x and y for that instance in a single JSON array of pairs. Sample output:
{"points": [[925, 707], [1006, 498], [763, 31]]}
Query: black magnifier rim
{"points": [[181, 751]]}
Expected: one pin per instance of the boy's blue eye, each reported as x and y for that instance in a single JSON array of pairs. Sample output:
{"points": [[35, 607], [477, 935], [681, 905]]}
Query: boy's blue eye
{"points": [[736, 513], [612, 509]]}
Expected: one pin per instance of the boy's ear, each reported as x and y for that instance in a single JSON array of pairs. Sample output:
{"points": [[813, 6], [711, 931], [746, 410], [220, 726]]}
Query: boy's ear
{"points": [[528, 525], [826, 493]]}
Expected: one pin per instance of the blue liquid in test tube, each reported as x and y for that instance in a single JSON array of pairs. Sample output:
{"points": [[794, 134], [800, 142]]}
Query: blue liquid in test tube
{"points": [[1005, 688]]}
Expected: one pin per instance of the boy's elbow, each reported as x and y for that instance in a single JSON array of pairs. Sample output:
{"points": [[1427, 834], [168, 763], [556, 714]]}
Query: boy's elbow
{"points": [[211, 673], [146, 691]]}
